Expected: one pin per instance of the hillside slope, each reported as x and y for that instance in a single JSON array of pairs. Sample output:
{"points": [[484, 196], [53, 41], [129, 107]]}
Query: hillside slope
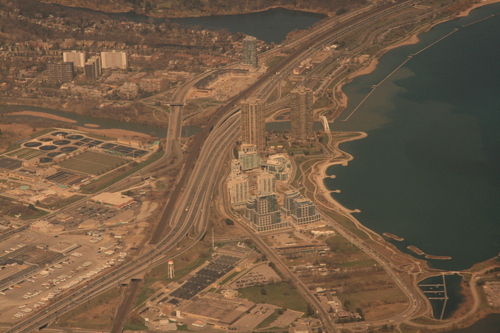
{"points": [[183, 8]]}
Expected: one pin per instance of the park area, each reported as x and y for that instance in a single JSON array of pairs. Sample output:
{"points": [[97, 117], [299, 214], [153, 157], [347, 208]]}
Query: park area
{"points": [[280, 294], [93, 163]]}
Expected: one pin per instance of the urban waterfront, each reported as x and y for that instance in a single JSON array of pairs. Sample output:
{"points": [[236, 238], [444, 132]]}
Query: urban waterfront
{"points": [[428, 170], [424, 157]]}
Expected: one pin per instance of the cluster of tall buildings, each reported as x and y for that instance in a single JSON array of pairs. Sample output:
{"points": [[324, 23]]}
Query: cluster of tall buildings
{"points": [[253, 124], [252, 110], [300, 209], [262, 213], [251, 187], [62, 72]]}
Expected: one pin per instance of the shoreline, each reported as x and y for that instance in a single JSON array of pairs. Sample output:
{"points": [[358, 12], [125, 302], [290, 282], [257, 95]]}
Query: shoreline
{"points": [[408, 40], [333, 205], [317, 177], [42, 115], [342, 102], [466, 12]]}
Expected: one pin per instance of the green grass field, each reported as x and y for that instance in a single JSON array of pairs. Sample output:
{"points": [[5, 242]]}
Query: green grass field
{"points": [[280, 294], [93, 163], [365, 299]]}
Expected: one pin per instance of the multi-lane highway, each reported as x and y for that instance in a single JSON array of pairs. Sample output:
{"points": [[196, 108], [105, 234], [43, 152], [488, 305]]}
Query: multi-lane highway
{"points": [[194, 199], [187, 209]]}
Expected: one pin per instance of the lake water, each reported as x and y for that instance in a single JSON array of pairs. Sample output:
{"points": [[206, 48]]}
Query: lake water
{"points": [[489, 324], [429, 170], [269, 26]]}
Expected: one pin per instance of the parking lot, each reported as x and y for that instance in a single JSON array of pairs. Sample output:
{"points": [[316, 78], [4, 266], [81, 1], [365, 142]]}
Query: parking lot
{"points": [[93, 215], [98, 212], [260, 275], [206, 276], [76, 260]]}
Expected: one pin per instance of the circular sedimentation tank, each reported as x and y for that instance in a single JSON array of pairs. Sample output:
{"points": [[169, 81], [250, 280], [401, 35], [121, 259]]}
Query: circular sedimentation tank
{"points": [[32, 144], [59, 133], [45, 139], [45, 160], [62, 142], [68, 149], [48, 147], [74, 137]]}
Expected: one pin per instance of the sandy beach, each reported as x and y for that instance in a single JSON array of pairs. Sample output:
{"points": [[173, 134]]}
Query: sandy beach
{"points": [[114, 132], [42, 115], [342, 158]]}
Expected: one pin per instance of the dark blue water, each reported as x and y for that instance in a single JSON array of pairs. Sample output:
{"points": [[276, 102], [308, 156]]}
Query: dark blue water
{"points": [[429, 170], [489, 324], [453, 288], [270, 26]]}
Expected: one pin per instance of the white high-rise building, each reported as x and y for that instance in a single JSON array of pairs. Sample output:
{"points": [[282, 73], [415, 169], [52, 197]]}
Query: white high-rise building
{"points": [[77, 58], [238, 188], [301, 210], [235, 167], [262, 213], [266, 183], [248, 157], [278, 165], [114, 59]]}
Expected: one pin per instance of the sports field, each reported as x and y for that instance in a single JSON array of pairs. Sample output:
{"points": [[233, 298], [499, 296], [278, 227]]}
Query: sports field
{"points": [[93, 163]]}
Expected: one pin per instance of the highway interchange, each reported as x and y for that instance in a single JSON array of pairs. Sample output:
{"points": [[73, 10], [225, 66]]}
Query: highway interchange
{"points": [[185, 215]]}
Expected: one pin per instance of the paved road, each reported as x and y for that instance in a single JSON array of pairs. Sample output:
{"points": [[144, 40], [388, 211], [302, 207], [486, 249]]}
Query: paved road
{"points": [[195, 197], [193, 191]]}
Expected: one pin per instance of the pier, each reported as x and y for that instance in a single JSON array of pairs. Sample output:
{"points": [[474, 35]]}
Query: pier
{"points": [[441, 289]]}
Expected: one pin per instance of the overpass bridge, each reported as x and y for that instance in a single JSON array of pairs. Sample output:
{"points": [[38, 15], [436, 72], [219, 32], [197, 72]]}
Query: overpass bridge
{"points": [[325, 123], [176, 103]]}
